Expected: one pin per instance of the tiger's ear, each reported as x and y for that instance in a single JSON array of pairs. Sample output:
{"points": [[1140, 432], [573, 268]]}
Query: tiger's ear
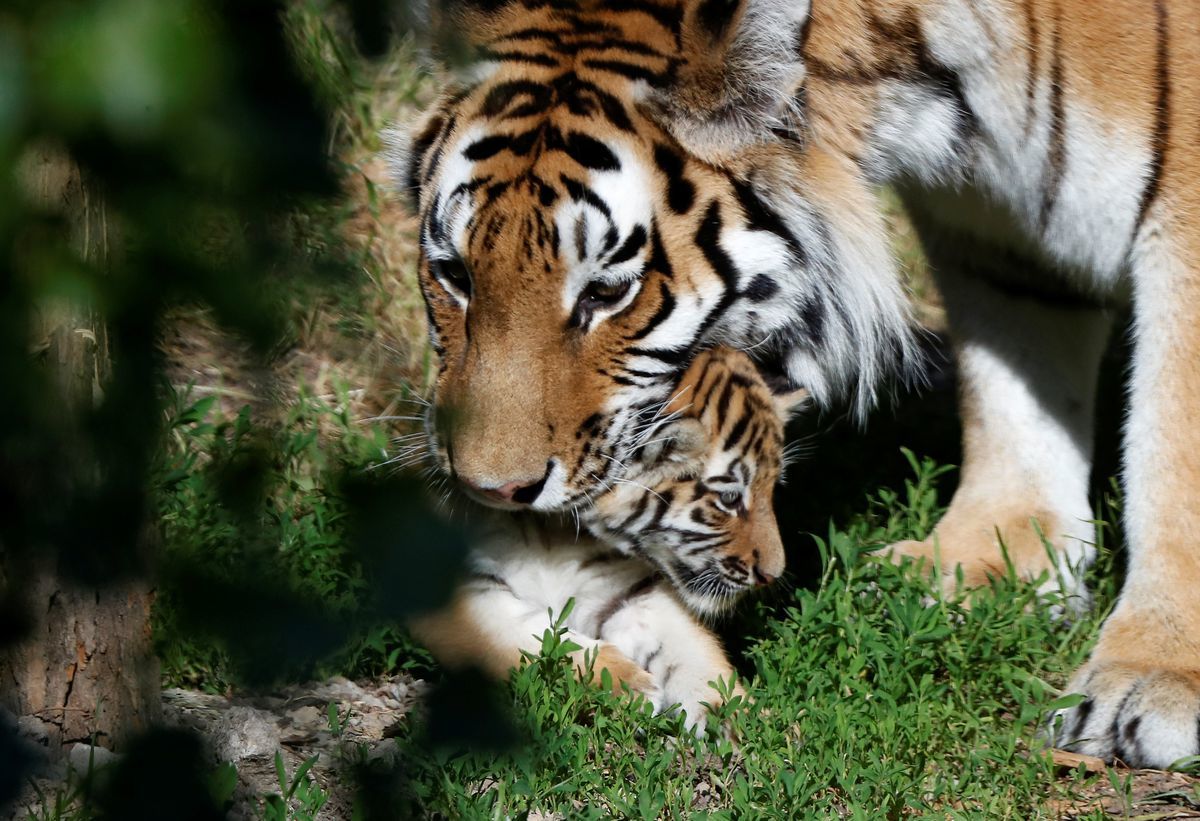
{"points": [[739, 76], [406, 148]]}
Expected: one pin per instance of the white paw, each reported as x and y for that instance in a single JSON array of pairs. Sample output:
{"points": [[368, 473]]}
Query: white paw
{"points": [[1142, 717]]}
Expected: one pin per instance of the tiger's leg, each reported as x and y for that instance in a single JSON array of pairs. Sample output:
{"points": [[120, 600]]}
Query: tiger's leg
{"points": [[1143, 680], [682, 657], [486, 626], [1027, 380]]}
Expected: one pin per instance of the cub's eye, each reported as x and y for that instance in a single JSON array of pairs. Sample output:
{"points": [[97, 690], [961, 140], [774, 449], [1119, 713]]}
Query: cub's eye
{"points": [[454, 273], [603, 294], [730, 498]]}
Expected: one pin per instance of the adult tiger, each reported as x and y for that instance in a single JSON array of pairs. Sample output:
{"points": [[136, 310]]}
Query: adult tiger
{"points": [[616, 184]]}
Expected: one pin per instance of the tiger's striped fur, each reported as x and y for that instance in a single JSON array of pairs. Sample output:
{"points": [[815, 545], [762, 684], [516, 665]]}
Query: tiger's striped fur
{"points": [[575, 258], [624, 183], [697, 496]]}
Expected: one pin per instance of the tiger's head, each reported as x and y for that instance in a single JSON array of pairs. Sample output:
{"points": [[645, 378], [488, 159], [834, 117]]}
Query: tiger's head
{"points": [[696, 499], [608, 190]]}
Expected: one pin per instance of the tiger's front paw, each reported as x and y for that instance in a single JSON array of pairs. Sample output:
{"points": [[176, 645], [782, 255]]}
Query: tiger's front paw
{"points": [[968, 560], [1142, 716]]}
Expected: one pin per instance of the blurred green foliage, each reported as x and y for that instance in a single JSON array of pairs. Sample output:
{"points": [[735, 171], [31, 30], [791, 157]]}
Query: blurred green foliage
{"points": [[190, 123], [194, 138], [237, 497]]}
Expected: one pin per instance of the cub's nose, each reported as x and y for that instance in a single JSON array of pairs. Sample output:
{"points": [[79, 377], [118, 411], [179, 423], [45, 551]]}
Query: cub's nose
{"points": [[767, 567]]}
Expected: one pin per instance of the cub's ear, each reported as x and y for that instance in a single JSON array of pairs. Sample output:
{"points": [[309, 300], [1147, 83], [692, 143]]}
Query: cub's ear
{"points": [[679, 443], [739, 77], [790, 404]]}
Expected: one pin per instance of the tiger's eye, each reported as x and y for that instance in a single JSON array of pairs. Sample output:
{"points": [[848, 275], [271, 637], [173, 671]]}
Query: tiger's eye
{"points": [[603, 294], [454, 273]]}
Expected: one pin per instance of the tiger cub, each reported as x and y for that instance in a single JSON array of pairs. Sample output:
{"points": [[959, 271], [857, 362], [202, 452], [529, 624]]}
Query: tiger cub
{"points": [[689, 526]]}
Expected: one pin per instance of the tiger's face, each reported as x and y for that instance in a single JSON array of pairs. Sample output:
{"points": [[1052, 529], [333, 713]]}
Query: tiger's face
{"points": [[575, 257], [697, 499], [543, 302]]}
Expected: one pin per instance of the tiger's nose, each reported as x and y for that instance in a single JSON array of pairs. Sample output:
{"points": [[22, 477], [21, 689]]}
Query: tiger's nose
{"points": [[519, 493]]}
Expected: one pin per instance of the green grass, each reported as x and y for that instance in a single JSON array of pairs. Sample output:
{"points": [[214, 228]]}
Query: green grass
{"points": [[866, 701], [867, 698], [237, 495]]}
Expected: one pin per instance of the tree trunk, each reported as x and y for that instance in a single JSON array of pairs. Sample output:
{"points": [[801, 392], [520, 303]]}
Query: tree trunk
{"points": [[85, 671]]}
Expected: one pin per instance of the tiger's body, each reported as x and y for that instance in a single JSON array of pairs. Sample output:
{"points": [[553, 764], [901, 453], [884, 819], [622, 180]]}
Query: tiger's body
{"points": [[619, 185], [690, 525]]}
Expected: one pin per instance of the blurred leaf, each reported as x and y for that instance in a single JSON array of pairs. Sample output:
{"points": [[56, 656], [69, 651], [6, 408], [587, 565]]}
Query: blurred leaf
{"points": [[414, 557], [162, 774]]}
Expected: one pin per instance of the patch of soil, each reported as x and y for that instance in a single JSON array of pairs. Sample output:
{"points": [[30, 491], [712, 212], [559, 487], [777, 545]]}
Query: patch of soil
{"points": [[248, 730], [1122, 793]]}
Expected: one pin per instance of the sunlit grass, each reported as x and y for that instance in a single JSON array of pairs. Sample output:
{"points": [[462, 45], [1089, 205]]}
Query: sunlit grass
{"points": [[866, 697]]}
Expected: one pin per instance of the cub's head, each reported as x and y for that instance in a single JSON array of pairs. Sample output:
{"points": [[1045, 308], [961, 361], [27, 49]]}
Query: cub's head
{"points": [[608, 190], [697, 498]]}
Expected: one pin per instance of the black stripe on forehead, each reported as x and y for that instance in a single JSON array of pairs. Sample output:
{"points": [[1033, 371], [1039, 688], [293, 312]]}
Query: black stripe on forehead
{"points": [[669, 17], [586, 99], [501, 55], [580, 192], [632, 246], [588, 152], [515, 99], [534, 98], [630, 71]]}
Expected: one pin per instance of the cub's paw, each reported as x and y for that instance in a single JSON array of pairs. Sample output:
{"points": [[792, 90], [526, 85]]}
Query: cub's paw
{"points": [[621, 669], [1141, 716], [698, 701]]}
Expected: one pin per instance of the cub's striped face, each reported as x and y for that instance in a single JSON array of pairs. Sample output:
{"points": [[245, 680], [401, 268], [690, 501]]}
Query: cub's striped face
{"points": [[697, 501], [575, 257]]}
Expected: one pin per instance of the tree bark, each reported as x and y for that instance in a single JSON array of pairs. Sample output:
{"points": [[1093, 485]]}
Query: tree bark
{"points": [[85, 671]]}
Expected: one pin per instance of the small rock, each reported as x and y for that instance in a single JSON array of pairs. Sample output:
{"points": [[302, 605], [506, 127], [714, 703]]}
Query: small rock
{"points": [[399, 693], [243, 732], [386, 751], [86, 757], [303, 724]]}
